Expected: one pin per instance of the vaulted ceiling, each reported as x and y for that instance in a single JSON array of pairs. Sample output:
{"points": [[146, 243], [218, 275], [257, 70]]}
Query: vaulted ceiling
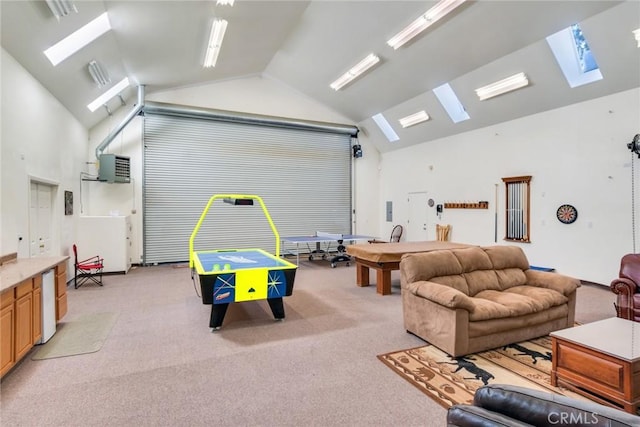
{"points": [[308, 44]]}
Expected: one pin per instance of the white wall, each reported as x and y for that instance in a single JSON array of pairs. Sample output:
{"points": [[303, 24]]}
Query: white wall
{"points": [[41, 140], [257, 95], [576, 155]]}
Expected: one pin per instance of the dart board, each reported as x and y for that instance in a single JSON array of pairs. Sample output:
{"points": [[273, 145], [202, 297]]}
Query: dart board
{"points": [[567, 214]]}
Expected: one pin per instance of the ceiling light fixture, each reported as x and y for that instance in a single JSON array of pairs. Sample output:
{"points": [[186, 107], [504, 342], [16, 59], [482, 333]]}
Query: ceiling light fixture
{"points": [[225, 2], [99, 75], [218, 29], [78, 39], [503, 86], [355, 72], [105, 97], [61, 8], [414, 119], [637, 34], [385, 127], [429, 18]]}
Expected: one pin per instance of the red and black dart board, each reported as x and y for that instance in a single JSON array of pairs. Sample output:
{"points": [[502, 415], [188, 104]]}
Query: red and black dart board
{"points": [[567, 214]]}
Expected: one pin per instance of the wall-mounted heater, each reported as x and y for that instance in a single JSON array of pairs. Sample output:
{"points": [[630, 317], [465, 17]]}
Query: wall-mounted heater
{"points": [[114, 169]]}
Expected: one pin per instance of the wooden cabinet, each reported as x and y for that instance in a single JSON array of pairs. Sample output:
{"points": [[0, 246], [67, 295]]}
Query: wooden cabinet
{"points": [[7, 328], [37, 309], [61, 290], [21, 305], [24, 318]]}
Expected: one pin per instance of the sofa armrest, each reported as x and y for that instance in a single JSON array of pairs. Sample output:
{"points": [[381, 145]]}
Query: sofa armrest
{"points": [[564, 284], [623, 286], [473, 416], [445, 296], [548, 409]]}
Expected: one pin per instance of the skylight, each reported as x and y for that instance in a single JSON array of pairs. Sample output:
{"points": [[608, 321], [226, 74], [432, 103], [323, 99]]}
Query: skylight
{"points": [[451, 103], [105, 97], [385, 127], [575, 58], [78, 39]]}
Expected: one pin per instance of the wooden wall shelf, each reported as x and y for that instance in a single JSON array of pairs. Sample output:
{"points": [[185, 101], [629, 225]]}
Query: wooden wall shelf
{"points": [[467, 205]]}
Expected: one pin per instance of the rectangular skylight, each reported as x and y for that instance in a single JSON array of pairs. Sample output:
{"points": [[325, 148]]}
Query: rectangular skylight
{"points": [[385, 127], [451, 103], [78, 39], [105, 97], [572, 52]]}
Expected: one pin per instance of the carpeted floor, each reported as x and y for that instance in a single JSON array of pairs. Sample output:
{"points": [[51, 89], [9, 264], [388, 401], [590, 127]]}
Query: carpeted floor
{"points": [[162, 366]]}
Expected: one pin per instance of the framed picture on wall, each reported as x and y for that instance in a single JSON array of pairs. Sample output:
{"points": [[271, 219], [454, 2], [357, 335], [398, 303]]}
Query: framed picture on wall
{"points": [[68, 203]]}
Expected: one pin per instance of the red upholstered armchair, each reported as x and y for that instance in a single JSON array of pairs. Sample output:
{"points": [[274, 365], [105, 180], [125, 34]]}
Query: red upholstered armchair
{"points": [[627, 287]]}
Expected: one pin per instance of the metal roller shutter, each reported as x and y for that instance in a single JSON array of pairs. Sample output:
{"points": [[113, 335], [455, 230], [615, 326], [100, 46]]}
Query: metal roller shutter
{"points": [[303, 176]]}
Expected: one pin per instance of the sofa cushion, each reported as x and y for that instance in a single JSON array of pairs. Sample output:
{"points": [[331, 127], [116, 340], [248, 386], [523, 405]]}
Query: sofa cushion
{"points": [[510, 277], [503, 257], [543, 297], [516, 301], [427, 265], [477, 269]]}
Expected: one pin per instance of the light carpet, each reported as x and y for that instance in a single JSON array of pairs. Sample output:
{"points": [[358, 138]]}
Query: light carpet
{"points": [[86, 334], [451, 381]]}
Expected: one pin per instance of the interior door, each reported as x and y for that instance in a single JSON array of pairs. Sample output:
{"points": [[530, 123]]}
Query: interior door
{"points": [[417, 224], [40, 220]]}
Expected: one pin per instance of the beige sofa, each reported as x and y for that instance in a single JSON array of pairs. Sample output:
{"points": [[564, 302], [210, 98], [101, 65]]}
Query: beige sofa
{"points": [[477, 298]]}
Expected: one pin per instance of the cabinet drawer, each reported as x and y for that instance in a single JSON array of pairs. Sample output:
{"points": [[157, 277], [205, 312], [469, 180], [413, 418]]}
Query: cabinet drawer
{"points": [[7, 297], [61, 268], [24, 288]]}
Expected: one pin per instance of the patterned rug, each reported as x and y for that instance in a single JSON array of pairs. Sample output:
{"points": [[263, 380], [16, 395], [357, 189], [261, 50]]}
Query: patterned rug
{"points": [[450, 381]]}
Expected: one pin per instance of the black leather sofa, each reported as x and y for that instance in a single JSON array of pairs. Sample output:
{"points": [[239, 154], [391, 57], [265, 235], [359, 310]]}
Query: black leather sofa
{"points": [[506, 405]]}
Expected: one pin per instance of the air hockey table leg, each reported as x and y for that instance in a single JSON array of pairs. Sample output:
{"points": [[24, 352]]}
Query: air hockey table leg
{"points": [[277, 308], [217, 315]]}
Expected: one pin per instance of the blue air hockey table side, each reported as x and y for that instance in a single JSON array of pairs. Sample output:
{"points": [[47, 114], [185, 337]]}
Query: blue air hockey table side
{"points": [[237, 275]]}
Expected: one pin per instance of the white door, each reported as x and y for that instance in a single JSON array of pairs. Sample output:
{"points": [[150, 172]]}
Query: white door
{"points": [[40, 220], [417, 225]]}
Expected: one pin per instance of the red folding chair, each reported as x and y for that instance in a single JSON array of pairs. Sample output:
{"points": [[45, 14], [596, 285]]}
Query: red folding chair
{"points": [[89, 269]]}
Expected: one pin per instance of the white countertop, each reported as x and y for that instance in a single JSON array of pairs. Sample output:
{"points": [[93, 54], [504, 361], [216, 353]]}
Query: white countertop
{"points": [[614, 336], [12, 273]]}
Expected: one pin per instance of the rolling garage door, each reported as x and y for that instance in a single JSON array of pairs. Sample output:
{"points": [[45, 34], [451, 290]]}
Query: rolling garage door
{"points": [[302, 172]]}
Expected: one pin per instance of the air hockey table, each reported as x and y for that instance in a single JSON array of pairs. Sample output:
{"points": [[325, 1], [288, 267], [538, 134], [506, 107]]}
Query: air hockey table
{"points": [[237, 275]]}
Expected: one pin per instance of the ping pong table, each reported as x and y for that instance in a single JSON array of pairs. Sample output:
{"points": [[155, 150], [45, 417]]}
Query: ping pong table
{"points": [[320, 245]]}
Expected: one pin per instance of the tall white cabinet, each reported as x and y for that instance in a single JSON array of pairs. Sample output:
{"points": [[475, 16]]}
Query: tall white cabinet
{"points": [[107, 236]]}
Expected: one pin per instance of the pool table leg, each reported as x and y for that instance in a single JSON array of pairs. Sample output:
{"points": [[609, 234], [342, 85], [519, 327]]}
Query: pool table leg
{"points": [[383, 281], [362, 274], [217, 315], [277, 308]]}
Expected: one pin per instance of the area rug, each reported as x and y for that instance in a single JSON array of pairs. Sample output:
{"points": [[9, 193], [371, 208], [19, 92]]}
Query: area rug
{"points": [[451, 381], [86, 334]]}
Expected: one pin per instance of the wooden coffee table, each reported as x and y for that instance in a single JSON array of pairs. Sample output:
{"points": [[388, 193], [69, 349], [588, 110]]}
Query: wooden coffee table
{"points": [[600, 360]]}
